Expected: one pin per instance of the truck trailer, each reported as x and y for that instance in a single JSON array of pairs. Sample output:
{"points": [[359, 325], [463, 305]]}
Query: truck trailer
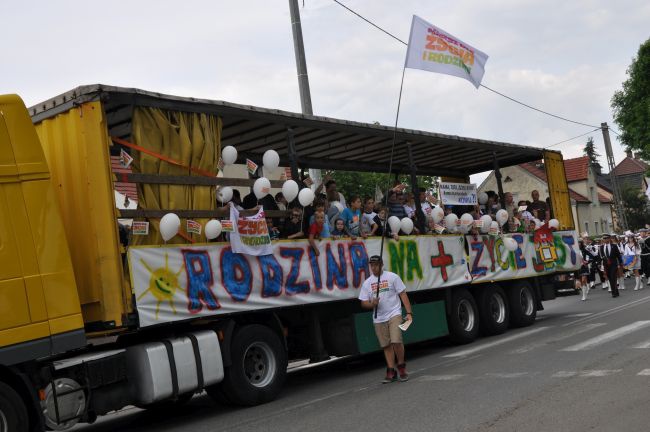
{"points": [[96, 316]]}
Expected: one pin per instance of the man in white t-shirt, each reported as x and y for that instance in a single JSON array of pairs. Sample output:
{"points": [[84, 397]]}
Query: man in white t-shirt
{"points": [[392, 293]]}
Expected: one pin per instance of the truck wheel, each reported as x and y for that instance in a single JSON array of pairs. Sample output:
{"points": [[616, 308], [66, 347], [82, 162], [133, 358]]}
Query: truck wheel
{"points": [[13, 413], [463, 319], [493, 309], [258, 369], [523, 306]]}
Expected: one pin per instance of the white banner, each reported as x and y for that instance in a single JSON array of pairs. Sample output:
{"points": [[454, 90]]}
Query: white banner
{"points": [[489, 260], [174, 283], [250, 235], [458, 194], [433, 49]]}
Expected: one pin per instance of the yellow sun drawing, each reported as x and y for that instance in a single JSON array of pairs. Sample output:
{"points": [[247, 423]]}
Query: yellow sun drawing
{"points": [[162, 284]]}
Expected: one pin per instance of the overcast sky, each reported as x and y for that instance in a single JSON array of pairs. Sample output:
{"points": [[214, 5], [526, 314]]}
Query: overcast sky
{"points": [[566, 57]]}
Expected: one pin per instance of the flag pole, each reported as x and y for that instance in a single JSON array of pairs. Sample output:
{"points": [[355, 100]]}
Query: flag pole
{"points": [[390, 169]]}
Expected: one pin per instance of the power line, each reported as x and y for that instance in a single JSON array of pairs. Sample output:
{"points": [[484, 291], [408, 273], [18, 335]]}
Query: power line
{"points": [[484, 86], [562, 142]]}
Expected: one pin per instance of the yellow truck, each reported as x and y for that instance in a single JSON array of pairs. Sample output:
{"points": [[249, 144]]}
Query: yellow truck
{"points": [[95, 316]]}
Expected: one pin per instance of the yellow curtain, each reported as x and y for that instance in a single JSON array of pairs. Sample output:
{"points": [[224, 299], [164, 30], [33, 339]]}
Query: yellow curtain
{"points": [[192, 139]]}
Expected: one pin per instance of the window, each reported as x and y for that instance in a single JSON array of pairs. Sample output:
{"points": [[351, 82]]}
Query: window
{"points": [[596, 227], [587, 226]]}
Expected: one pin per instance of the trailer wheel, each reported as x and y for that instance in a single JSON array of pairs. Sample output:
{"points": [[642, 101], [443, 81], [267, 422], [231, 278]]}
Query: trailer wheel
{"points": [[463, 319], [13, 412], [259, 367], [523, 305], [493, 309]]}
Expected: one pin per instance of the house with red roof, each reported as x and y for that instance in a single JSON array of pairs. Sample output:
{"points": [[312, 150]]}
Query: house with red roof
{"points": [[591, 201]]}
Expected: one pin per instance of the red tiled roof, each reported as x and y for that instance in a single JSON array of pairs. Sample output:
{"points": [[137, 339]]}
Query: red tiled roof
{"points": [[630, 166], [532, 168], [128, 189], [603, 199], [576, 169]]}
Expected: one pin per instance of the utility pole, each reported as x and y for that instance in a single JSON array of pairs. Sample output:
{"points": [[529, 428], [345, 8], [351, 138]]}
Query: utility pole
{"points": [[303, 78], [618, 199], [301, 62]]}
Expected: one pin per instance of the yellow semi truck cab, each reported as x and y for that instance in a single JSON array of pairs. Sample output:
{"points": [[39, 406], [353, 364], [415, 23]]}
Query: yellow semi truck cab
{"points": [[40, 313]]}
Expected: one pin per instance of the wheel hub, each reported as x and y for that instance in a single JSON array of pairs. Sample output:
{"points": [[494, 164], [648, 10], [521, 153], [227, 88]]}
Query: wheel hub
{"points": [[498, 308], [466, 315], [259, 364]]}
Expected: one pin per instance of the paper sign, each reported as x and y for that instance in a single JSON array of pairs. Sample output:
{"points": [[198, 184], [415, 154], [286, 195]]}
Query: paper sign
{"points": [[140, 228], [125, 159], [227, 226], [252, 166], [193, 227], [458, 194], [405, 325]]}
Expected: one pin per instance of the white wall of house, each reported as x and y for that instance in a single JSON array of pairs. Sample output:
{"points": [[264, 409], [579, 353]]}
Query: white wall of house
{"points": [[521, 185]]}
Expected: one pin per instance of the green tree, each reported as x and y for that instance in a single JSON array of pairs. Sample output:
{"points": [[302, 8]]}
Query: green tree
{"points": [[631, 105], [364, 183], [590, 151], [637, 207]]}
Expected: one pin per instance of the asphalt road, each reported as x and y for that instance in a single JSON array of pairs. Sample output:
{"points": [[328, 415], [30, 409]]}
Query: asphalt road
{"points": [[584, 366]]}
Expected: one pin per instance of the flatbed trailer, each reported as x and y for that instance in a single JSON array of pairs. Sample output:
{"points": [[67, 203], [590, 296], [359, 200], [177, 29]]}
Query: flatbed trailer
{"points": [[93, 323]]}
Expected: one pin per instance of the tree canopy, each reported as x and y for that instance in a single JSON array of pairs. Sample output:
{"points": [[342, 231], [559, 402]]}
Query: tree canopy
{"points": [[637, 208], [590, 151], [631, 105]]}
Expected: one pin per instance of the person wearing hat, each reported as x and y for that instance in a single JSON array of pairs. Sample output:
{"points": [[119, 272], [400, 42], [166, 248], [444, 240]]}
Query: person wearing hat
{"points": [[386, 292], [612, 261]]}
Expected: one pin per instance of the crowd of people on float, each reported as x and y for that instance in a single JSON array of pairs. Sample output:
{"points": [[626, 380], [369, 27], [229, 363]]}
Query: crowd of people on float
{"points": [[332, 215], [614, 258]]}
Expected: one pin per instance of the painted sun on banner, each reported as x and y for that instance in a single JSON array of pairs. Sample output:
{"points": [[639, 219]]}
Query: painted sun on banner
{"points": [[433, 49]]}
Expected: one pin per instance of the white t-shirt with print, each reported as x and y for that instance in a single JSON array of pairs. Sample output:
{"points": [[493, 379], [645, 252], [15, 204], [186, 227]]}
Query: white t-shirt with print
{"points": [[389, 301]]}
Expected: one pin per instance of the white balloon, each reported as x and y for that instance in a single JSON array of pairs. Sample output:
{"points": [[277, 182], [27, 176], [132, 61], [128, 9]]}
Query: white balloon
{"points": [[395, 224], [261, 187], [290, 190], [406, 225], [271, 160], [502, 217], [338, 206], [554, 224], [169, 226], [229, 155], [305, 197], [538, 223], [451, 222], [494, 226], [482, 198], [224, 194], [212, 229], [510, 244], [486, 221], [466, 221], [438, 214]]}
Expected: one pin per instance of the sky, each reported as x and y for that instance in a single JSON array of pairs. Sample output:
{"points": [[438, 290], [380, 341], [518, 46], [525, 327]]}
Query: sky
{"points": [[567, 58]]}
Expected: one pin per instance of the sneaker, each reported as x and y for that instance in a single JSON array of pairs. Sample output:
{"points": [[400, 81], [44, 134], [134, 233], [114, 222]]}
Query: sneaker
{"points": [[403, 375], [391, 376]]}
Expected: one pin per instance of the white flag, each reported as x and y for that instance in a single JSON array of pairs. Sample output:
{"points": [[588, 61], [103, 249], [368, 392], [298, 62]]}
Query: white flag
{"points": [[434, 50]]}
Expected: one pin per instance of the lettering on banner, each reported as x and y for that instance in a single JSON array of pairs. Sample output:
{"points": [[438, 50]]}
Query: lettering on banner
{"points": [[272, 275], [336, 272], [199, 281], [405, 259], [236, 275], [292, 286]]}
